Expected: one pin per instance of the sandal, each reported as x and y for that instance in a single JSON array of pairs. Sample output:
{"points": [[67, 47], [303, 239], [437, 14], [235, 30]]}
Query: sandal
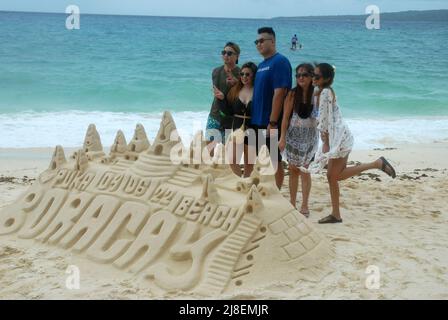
{"points": [[330, 219], [386, 165], [306, 214]]}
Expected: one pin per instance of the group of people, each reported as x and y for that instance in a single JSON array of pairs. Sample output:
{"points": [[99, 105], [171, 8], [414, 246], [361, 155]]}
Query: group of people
{"points": [[258, 105]]}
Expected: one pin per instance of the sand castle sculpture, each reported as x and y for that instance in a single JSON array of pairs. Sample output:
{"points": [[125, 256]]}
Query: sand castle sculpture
{"points": [[188, 226]]}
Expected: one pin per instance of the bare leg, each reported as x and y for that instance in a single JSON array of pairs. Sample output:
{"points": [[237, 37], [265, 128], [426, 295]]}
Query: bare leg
{"points": [[338, 170], [349, 172], [306, 190], [248, 161], [279, 175], [211, 147], [335, 168], [236, 154], [294, 173]]}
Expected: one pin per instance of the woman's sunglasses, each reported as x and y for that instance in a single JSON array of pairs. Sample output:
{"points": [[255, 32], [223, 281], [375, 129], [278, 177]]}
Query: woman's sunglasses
{"points": [[245, 74], [228, 53], [305, 75], [317, 77]]}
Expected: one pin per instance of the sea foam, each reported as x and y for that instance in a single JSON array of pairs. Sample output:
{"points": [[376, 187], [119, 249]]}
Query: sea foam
{"points": [[35, 130]]}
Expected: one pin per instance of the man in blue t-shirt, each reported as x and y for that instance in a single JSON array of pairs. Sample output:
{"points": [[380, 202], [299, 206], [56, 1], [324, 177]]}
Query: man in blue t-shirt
{"points": [[272, 83]]}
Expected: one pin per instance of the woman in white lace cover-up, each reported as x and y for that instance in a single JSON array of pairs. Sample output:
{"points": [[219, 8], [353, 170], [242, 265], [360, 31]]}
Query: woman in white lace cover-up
{"points": [[337, 142]]}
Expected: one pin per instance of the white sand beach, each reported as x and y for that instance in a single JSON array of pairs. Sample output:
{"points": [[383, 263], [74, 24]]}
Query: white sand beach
{"points": [[400, 226]]}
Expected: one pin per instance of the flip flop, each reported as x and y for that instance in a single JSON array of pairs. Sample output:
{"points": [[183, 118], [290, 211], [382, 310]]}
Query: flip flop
{"points": [[386, 165], [330, 219]]}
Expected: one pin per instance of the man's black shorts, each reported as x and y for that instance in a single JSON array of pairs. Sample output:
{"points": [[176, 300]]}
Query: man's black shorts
{"points": [[260, 133]]}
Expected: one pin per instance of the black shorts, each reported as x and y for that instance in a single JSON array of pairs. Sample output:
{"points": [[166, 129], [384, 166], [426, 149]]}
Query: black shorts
{"points": [[260, 133]]}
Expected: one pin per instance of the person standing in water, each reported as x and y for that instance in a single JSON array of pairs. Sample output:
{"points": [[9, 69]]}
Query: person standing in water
{"points": [[294, 42]]}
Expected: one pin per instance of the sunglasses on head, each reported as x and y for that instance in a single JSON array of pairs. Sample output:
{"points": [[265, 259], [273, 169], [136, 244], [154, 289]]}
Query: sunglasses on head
{"points": [[304, 74], [245, 74], [260, 41], [227, 53]]}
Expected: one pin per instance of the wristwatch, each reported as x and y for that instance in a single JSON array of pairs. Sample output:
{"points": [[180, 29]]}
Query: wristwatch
{"points": [[273, 123]]}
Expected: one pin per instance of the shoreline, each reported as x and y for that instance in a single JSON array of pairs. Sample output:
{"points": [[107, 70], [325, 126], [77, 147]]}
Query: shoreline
{"points": [[26, 130], [405, 157]]}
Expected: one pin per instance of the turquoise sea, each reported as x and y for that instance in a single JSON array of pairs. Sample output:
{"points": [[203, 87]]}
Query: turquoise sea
{"points": [[392, 83]]}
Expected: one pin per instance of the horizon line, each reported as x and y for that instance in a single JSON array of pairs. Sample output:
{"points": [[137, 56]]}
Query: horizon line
{"points": [[204, 17]]}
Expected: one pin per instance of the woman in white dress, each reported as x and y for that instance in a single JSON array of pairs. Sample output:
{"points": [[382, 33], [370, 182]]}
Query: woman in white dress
{"points": [[337, 142]]}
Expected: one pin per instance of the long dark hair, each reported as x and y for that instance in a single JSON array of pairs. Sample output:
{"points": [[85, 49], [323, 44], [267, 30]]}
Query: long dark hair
{"points": [[327, 72], [235, 90], [304, 109]]}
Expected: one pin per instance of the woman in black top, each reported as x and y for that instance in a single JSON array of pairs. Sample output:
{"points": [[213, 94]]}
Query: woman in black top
{"points": [[239, 103]]}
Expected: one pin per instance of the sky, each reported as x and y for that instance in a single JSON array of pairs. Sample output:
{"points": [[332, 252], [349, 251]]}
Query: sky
{"points": [[222, 8]]}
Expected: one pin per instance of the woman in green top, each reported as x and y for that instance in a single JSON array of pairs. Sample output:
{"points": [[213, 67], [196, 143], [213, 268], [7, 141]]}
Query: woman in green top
{"points": [[224, 78]]}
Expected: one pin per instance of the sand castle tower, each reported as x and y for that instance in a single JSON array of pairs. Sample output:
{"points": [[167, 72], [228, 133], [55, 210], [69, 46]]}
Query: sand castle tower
{"points": [[139, 143], [58, 159], [119, 148], [92, 144], [174, 226], [166, 137], [198, 149]]}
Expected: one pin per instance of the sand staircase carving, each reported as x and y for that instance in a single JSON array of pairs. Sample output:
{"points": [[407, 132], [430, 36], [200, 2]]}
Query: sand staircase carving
{"points": [[175, 225]]}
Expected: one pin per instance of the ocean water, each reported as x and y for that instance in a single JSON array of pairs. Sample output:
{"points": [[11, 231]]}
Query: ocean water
{"points": [[116, 71]]}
